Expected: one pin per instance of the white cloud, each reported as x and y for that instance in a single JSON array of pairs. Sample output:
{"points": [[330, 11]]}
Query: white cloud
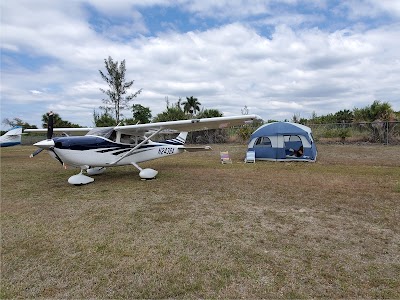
{"points": [[224, 8], [372, 8], [294, 70], [35, 92]]}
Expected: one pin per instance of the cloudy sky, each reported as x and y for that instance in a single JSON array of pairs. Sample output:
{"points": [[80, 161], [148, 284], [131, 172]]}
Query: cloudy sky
{"points": [[277, 57]]}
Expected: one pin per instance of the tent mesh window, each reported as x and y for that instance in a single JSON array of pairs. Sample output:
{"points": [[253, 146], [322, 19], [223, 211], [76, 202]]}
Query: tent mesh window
{"points": [[263, 141]]}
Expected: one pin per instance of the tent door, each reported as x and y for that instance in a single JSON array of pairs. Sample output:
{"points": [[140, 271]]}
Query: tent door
{"points": [[265, 147], [292, 143]]}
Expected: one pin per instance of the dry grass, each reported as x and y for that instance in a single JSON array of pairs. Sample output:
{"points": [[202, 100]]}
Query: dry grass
{"points": [[204, 230]]}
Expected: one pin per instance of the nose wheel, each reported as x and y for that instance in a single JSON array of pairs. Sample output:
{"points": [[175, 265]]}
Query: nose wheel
{"points": [[80, 179]]}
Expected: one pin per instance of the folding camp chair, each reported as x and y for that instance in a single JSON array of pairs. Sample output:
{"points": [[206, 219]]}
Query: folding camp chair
{"points": [[250, 157], [225, 159]]}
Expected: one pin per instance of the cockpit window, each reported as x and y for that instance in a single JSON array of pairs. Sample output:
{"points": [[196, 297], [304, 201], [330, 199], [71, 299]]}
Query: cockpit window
{"points": [[106, 132]]}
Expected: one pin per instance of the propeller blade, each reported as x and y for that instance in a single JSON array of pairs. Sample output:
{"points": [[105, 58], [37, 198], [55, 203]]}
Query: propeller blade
{"points": [[49, 142], [50, 126], [36, 152]]}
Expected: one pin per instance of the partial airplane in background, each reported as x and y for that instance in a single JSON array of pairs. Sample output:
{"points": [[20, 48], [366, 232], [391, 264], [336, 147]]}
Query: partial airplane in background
{"points": [[115, 146], [11, 137]]}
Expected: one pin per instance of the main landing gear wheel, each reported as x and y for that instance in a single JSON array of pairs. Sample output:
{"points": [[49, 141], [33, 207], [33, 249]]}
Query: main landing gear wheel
{"points": [[146, 174]]}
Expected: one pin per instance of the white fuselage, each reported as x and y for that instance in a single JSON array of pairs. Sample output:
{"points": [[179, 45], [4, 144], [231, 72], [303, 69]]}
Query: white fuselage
{"points": [[100, 152], [94, 158]]}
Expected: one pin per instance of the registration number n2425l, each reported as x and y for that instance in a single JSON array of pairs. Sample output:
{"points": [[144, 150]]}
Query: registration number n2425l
{"points": [[166, 150]]}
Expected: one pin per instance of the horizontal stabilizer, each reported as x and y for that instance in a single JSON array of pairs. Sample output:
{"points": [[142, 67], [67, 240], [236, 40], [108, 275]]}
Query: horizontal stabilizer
{"points": [[196, 149]]}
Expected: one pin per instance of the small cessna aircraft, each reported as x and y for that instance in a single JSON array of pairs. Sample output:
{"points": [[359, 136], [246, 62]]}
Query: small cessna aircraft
{"points": [[11, 137], [105, 147]]}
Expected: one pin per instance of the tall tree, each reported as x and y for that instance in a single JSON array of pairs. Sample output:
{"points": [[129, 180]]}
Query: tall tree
{"points": [[141, 114], [344, 116], [209, 113], [296, 118], [103, 119], [376, 111], [118, 98], [18, 122], [173, 112], [191, 105]]}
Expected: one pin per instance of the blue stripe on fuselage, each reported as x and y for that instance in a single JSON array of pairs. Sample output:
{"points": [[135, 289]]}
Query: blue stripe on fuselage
{"points": [[9, 144], [171, 142], [83, 143]]}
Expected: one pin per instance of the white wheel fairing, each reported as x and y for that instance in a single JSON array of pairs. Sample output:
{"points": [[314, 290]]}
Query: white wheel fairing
{"points": [[148, 173], [80, 179]]}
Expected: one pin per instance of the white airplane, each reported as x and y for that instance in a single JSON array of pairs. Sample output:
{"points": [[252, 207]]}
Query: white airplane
{"points": [[11, 137], [105, 147]]}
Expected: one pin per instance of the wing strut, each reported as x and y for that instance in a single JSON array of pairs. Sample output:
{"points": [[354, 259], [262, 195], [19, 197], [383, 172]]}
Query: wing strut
{"points": [[137, 146]]}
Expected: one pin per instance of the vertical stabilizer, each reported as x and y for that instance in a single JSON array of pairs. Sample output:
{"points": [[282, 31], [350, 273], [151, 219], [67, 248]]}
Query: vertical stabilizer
{"points": [[14, 131], [179, 140], [12, 137]]}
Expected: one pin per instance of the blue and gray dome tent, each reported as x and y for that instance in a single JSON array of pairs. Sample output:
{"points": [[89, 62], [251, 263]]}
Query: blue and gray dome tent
{"points": [[283, 141]]}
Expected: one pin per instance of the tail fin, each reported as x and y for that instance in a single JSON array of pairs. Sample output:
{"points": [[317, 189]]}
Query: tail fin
{"points": [[17, 130], [11, 138], [179, 140]]}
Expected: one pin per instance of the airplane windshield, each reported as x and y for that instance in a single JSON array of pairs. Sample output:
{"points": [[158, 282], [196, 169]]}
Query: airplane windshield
{"points": [[106, 132]]}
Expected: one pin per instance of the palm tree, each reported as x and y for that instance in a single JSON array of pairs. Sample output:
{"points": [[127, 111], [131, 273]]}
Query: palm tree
{"points": [[191, 105], [58, 122]]}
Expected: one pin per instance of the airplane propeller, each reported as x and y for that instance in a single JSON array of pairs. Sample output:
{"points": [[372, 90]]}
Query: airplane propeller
{"points": [[36, 152], [50, 124]]}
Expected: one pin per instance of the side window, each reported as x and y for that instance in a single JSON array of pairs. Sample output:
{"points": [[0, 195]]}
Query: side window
{"points": [[113, 136], [131, 139], [263, 141], [126, 139]]}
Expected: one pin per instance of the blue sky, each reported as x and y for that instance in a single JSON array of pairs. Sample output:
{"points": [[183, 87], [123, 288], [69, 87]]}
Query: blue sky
{"points": [[279, 58]]}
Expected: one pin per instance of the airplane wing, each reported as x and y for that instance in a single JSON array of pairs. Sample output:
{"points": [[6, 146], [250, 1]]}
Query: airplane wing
{"points": [[170, 126], [75, 130], [188, 125]]}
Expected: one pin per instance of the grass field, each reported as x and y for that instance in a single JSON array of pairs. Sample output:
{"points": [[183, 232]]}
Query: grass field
{"points": [[328, 229]]}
